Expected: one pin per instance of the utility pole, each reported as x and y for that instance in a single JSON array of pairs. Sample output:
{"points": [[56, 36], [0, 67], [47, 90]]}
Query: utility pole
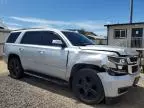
{"points": [[131, 11]]}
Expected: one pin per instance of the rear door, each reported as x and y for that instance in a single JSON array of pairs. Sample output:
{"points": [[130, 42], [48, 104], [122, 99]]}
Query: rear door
{"points": [[29, 50]]}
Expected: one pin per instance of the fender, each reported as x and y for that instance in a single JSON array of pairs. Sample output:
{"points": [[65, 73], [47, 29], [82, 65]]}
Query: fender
{"points": [[88, 59]]}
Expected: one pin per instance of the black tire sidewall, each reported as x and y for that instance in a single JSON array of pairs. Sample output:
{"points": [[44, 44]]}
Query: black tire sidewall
{"points": [[20, 73], [92, 73]]}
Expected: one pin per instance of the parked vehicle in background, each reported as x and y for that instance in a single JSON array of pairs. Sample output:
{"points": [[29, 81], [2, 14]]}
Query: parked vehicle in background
{"points": [[93, 72]]}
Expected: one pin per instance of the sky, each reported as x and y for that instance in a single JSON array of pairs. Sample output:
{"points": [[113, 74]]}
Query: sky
{"points": [[90, 15]]}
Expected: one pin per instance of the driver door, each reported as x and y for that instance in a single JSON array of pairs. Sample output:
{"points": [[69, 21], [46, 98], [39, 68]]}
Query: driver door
{"points": [[52, 57]]}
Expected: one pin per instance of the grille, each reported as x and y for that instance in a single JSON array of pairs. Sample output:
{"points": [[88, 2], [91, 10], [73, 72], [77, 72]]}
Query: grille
{"points": [[134, 69], [122, 90], [133, 59]]}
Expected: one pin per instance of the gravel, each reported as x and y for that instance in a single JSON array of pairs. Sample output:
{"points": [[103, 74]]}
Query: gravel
{"points": [[31, 92]]}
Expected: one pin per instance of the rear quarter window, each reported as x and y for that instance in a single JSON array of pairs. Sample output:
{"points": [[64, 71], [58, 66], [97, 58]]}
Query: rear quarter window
{"points": [[12, 37]]}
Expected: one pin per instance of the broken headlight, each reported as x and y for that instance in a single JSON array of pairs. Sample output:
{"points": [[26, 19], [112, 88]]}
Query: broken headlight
{"points": [[119, 65], [117, 60]]}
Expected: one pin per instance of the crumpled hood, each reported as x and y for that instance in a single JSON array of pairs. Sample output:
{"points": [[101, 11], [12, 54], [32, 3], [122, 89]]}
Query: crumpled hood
{"points": [[115, 49]]}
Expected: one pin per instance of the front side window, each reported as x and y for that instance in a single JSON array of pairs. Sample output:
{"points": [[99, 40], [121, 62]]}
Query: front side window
{"points": [[40, 38], [48, 37], [13, 36], [77, 39], [120, 33]]}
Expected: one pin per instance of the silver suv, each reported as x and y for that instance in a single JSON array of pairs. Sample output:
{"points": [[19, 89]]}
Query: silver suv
{"points": [[93, 72]]}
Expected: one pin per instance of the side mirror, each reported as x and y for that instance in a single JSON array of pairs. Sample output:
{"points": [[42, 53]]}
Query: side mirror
{"points": [[58, 43]]}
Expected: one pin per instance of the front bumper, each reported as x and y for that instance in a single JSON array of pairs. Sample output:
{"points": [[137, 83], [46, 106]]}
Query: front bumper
{"points": [[112, 84]]}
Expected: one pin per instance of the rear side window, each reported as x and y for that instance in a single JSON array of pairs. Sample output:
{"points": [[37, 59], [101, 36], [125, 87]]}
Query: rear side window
{"points": [[13, 36], [32, 37]]}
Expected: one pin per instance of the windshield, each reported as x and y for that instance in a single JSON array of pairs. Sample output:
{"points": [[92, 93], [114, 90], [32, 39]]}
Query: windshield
{"points": [[78, 39]]}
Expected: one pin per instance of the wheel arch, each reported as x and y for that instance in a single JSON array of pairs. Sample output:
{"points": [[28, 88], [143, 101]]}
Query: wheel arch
{"points": [[79, 66], [13, 55]]}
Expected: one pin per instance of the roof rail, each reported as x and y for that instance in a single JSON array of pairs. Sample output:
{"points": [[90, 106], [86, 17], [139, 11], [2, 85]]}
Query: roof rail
{"points": [[26, 29]]}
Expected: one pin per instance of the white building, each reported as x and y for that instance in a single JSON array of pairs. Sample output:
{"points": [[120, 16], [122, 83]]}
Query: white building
{"points": [[126, 35], [4, 32]]}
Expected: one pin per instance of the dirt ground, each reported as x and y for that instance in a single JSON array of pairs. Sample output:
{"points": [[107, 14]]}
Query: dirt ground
{"points": [[31, 92], [3, 67]]}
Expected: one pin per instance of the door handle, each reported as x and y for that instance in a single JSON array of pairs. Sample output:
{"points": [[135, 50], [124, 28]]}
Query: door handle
{"points": [[41, 52], [21, 49]]}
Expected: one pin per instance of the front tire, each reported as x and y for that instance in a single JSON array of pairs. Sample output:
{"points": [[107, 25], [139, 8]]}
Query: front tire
{"points": [[15, 68], [87, 86]]}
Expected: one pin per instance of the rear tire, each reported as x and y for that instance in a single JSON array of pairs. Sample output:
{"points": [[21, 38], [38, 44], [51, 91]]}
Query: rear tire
{"points": [[15, 68], [87, 86]]}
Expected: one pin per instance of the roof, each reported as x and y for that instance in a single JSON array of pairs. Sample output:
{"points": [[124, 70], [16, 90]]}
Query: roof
{"points": [[96, 37], [5, 30], [123, 24], [2, 25]]}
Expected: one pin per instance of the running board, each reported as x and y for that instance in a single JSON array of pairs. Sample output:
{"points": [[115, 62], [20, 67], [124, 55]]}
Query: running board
{"points": [[47, 78]]}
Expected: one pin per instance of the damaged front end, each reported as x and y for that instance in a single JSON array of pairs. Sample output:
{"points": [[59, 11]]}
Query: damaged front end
{"points": [[117, 65]]}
